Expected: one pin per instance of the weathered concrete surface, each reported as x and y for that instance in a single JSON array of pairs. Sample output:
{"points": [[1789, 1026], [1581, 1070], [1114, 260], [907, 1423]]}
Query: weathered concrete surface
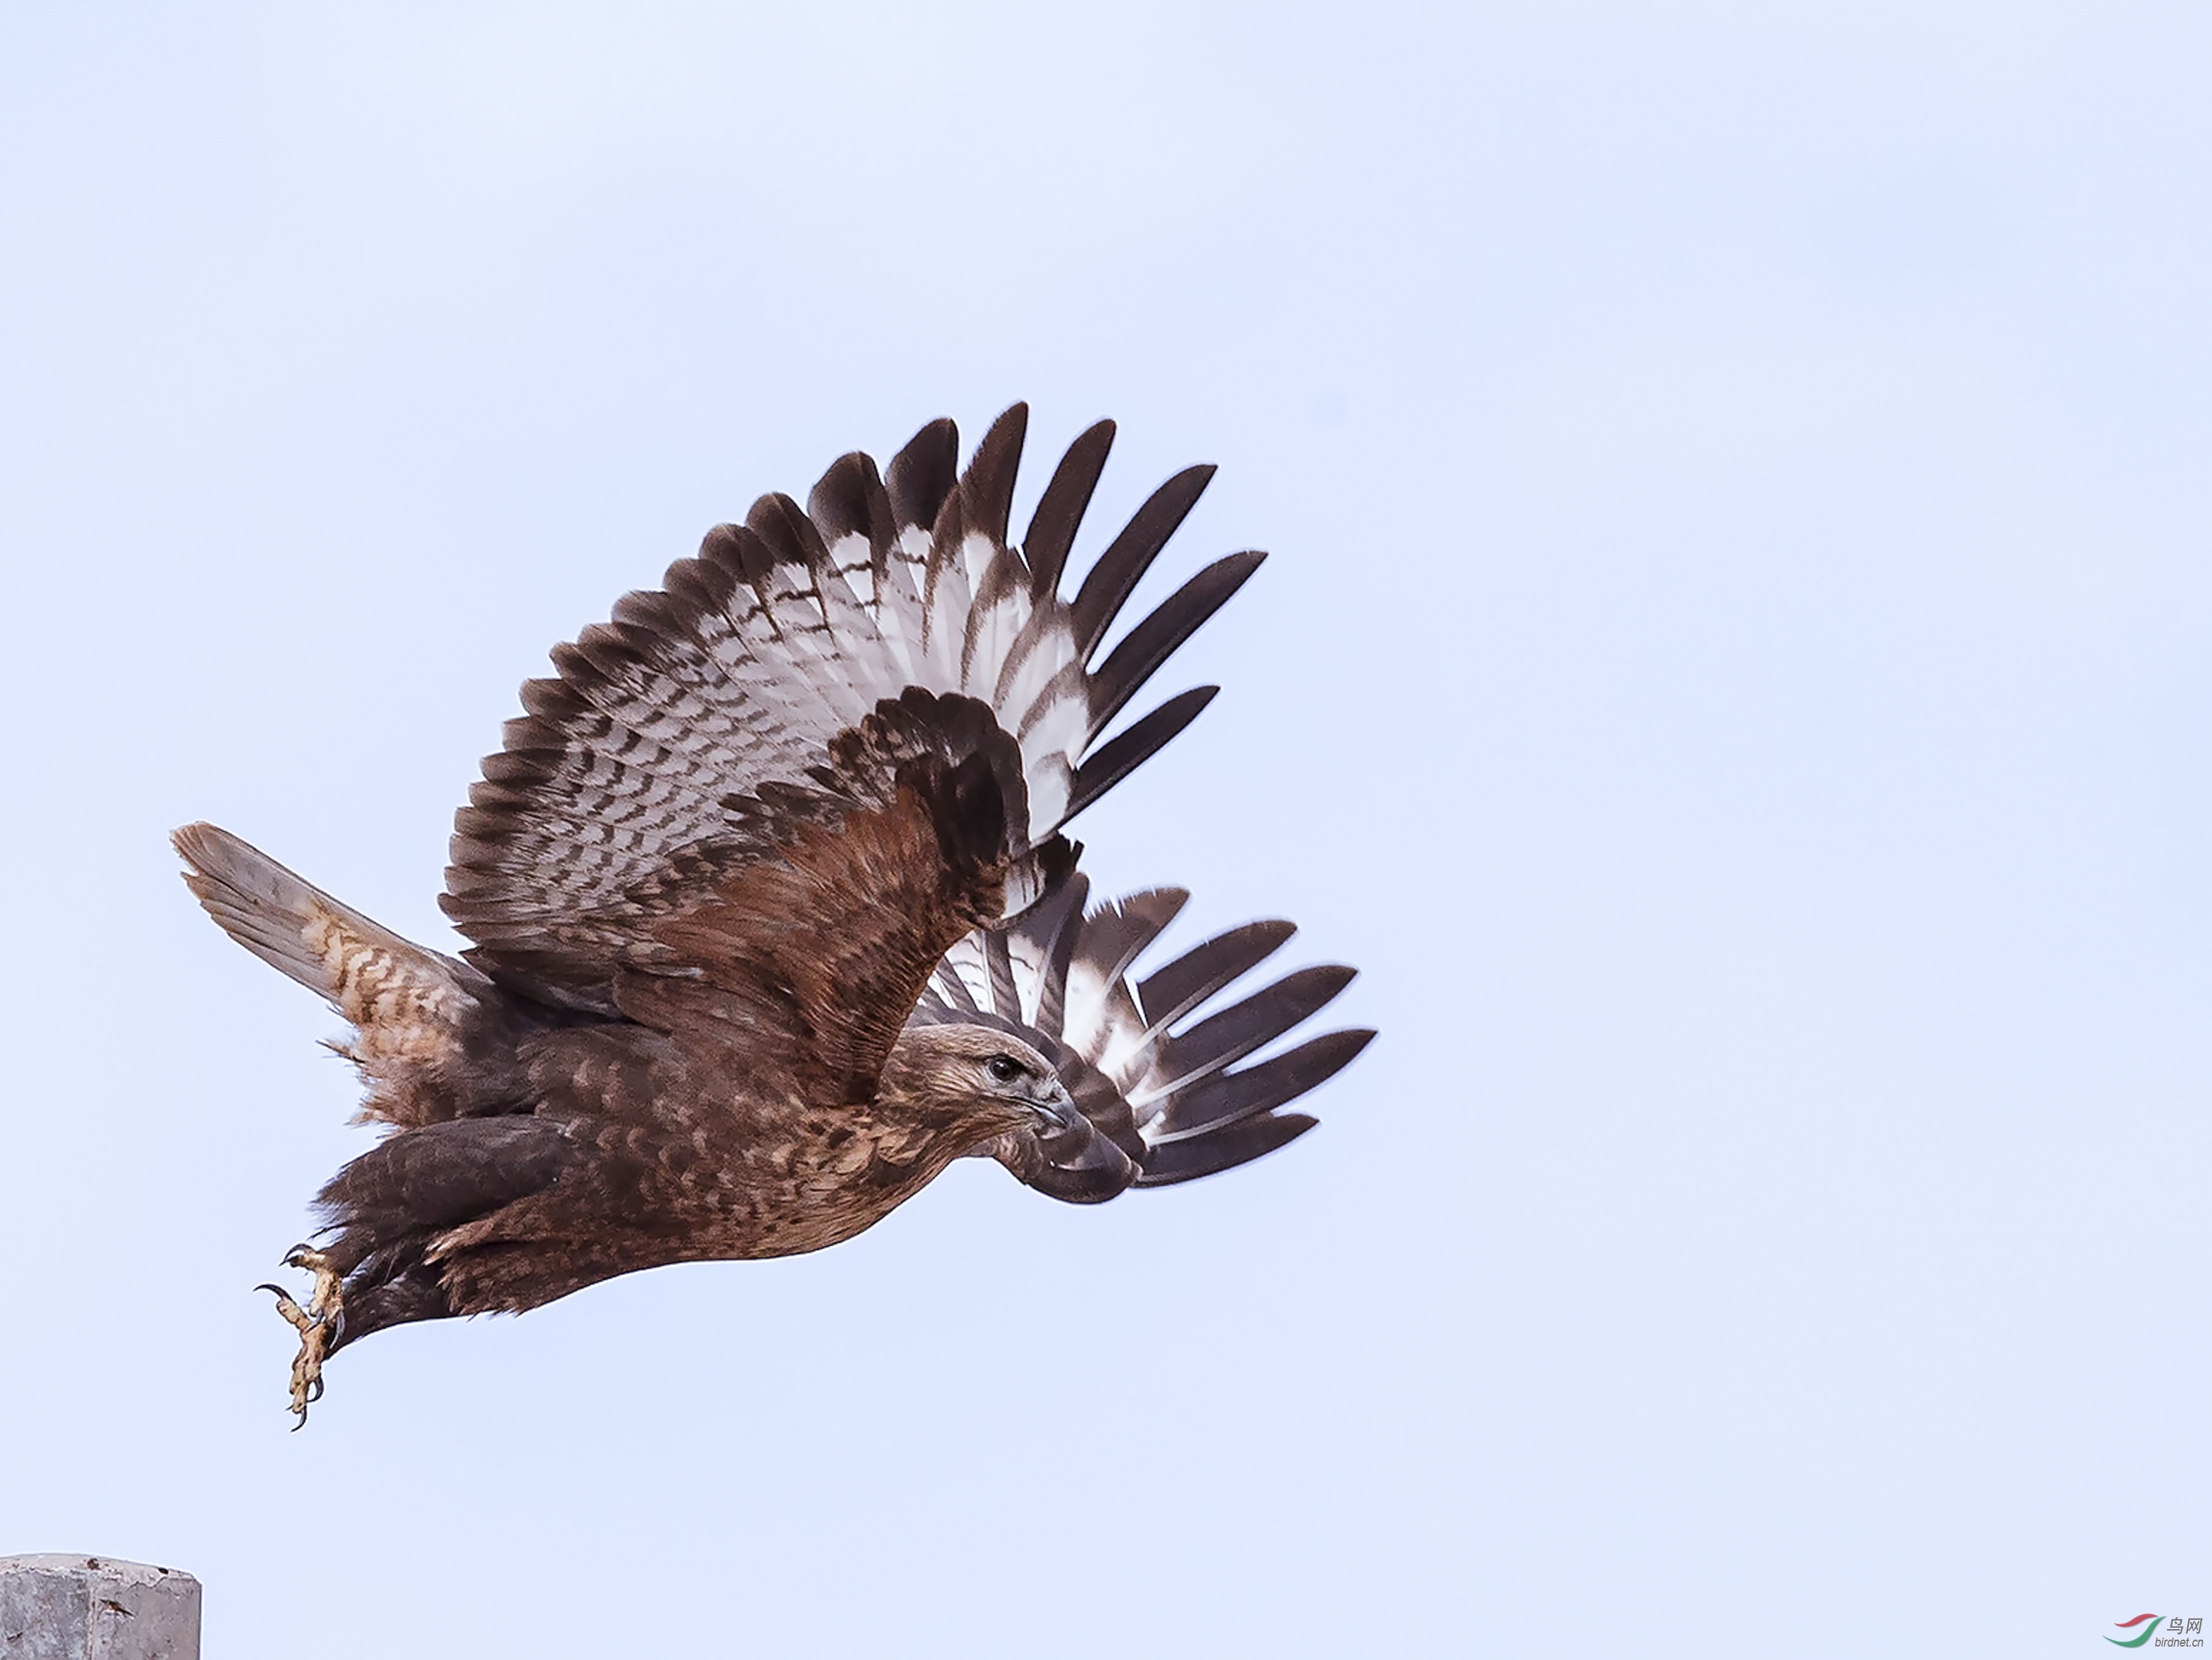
{"points": [[95, 1607]]}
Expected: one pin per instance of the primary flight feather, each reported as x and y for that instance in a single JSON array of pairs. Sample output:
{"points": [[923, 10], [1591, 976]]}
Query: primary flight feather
{"points": [[773, 918]]}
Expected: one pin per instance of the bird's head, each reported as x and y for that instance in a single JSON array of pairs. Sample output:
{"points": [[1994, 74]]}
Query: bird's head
{"points": [[980, 1080]]}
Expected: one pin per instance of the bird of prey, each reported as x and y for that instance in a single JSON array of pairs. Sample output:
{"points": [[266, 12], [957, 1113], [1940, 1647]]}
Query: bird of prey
{"points": [[773, 917]]}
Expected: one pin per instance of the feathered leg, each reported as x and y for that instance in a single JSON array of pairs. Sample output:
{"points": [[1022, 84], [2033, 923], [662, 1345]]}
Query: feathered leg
{"points": [[386, 1207]]}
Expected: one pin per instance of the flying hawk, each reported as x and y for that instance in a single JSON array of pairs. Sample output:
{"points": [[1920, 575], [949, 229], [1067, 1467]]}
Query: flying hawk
{"points": [[773, 918]]}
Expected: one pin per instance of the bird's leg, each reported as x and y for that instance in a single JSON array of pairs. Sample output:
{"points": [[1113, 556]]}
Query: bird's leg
{"points": [[316, 1323]]}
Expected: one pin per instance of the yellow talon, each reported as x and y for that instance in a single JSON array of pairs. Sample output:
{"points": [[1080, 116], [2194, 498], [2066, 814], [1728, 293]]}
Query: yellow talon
{"points": [[316, 1324]]}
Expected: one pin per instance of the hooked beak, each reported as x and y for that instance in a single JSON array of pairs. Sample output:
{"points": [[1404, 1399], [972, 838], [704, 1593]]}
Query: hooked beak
{"points": [[1057, 1112]]}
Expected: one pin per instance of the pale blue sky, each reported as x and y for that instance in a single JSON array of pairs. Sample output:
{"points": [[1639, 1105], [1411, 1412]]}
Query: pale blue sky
{"points": [[1734, 673]]}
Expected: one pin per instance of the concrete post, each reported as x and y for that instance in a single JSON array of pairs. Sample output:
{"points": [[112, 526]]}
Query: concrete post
{"points": [[95, 1607]]}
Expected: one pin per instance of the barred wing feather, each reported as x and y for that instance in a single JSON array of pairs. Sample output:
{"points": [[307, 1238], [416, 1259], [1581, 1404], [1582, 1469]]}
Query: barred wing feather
{"points": [[1163, 1106], [663, 728]]}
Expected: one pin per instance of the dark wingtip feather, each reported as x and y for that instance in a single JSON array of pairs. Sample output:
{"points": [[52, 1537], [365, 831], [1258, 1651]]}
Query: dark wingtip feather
{"points": [[850, 497], [986, 489], [1209, 1155], [1060, 510], [787, 532], [1160, 635], [1061, 909], [1116, 933], [923, 473], [1223, 1039], [1230, 1097], [1171, 992], [1126, 752], [1125, 562]]}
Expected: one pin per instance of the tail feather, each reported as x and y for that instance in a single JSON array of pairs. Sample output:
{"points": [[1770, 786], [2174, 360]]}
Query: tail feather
{"points": [[412, 1009], [285, 921]]}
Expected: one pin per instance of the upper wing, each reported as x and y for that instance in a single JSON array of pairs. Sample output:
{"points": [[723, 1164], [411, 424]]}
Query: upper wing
{"points": [[737, 676], [1166, 1105], [804, 941]]}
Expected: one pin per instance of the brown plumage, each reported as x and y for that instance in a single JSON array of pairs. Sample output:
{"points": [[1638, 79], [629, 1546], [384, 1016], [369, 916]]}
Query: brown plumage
{"points": [[709, 880]]}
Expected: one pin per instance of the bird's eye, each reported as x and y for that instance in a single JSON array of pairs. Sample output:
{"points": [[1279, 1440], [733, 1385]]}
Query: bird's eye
{"points": [[1003, 1068]]}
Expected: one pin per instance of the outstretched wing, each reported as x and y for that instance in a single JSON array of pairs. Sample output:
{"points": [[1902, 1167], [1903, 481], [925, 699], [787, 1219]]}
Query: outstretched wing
{"points": [[736, 679], [802, 942], [1166, 1105]]}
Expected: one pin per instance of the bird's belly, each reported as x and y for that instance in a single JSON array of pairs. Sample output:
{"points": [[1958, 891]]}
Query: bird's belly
{"points": [[810, 1204]]}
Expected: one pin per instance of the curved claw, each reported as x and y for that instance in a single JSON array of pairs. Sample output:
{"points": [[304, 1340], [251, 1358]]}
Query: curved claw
{"points": [[316, 1324], [295, 1317]]}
